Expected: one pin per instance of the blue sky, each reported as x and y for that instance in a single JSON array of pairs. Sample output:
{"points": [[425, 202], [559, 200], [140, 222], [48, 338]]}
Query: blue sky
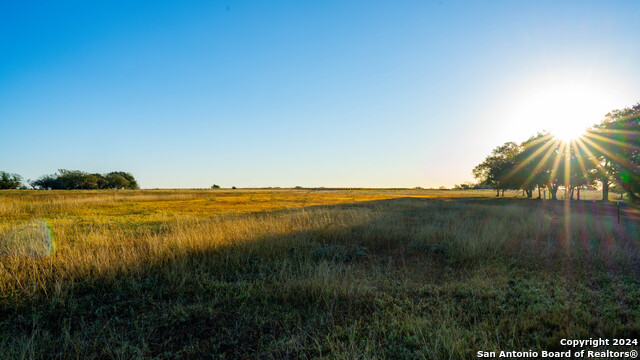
{"points": [[331, 93]]}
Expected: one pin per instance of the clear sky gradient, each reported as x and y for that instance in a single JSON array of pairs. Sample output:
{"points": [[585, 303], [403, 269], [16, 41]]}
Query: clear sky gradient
{"points": [[310, 93]]}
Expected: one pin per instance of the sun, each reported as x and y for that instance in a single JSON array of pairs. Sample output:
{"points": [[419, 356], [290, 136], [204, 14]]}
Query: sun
{"points": [[567, 132], [565, 106]]}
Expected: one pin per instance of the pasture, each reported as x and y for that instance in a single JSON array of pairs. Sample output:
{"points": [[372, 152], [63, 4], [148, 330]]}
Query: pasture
{"points": [[310, 274]]}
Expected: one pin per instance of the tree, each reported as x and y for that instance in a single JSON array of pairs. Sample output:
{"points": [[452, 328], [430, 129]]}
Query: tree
{"points": [[79, 180], [529, 172], [71, 179], [9, 180], [215, 186], [605, 172], [121, 180], [46, 182], [565, 167], [495, 169], [609, 154], [547, 162], [541, 161], [615, 145], [581, 172], [101, 181]]}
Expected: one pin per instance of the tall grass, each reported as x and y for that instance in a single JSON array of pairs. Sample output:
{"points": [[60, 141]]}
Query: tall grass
{"points": [[399, 278]]}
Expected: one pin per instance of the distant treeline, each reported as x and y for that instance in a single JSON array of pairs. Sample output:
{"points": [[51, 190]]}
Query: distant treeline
{"points": [[606, 157], [72, 180]]}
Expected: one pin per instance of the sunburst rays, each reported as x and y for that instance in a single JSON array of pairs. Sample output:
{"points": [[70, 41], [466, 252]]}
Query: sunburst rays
{"points": [[572, 163], [607, 153]]}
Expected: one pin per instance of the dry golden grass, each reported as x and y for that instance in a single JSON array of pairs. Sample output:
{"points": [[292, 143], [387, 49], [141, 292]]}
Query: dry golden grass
{"points": [[338, 274]]}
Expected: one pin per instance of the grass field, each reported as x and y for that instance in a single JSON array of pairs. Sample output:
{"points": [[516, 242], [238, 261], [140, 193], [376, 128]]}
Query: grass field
{"points": [[310, 274]]}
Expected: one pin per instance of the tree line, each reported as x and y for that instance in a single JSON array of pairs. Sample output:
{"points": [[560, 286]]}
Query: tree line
{"points": [[607, 157], [71, 180]]}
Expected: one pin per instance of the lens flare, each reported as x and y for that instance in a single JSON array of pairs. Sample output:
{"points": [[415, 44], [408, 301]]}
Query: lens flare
{"points": [[33, 239]]}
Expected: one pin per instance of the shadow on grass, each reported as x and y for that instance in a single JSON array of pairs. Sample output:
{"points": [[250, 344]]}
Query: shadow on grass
{"points": [[385, 282]]}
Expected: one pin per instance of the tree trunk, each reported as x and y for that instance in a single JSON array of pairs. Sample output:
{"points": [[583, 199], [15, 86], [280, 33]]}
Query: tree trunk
{"points": [[605, 190], [497, 192], [502, 192], [539, 193], [552, 191], [578, 194], [626, 187]]}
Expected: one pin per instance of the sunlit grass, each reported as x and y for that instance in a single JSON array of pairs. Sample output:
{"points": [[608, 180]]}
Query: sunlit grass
{"points": [[346, 274]]}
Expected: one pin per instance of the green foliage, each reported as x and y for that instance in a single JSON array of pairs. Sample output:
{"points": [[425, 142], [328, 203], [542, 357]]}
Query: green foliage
{"points": [[616, 144], [79, 180], [533, 168], [496, 169], [121, 180], [609, 154], [10, 181], [215, 186]]}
